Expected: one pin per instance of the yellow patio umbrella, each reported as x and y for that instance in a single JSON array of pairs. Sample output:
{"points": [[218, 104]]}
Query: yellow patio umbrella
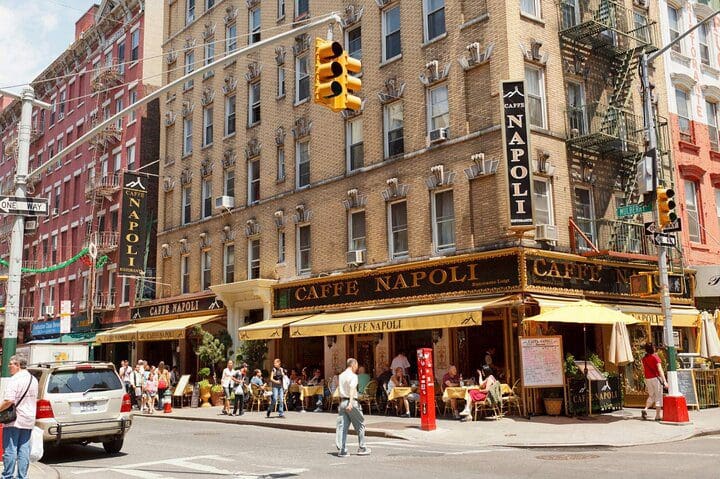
{"points": [[584, 312], [708, 341], [621, 352]]}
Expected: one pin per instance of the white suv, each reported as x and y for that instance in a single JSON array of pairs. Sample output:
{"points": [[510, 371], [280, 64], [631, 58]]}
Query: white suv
{"points": [[82, 402]]}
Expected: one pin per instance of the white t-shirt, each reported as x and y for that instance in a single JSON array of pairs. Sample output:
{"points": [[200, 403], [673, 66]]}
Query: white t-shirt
{"points": [[400, 361], [14, 390], [227, 377], [348, 382]]}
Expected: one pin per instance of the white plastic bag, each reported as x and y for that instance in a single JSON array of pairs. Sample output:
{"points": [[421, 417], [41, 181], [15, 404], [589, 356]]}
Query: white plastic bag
{"points": [[36, 444]]}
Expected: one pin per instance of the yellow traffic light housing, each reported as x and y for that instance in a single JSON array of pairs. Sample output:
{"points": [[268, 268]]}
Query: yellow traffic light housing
{"points": [[333, 79], [666, 207]]}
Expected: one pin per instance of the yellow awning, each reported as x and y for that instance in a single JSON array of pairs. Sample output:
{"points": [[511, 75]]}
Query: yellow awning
{"points": [[267, 329], [171, 328], [407, 318], [118, 335], [583, 312]]}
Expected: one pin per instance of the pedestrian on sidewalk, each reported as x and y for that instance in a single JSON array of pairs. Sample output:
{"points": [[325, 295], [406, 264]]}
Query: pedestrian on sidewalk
{"points": [[239, 381], [349, 411], [21, 391], [226, 382], [151, 392], [278, 380], [137, 381], [126, 372], [654, 381], [163, 379]]}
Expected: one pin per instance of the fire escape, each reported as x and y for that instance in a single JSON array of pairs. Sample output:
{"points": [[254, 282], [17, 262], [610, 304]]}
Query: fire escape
{"points": [[601, 43]]}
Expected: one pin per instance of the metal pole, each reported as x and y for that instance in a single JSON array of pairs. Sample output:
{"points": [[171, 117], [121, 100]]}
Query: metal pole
{"points": [[673, 389], [12, 307]]}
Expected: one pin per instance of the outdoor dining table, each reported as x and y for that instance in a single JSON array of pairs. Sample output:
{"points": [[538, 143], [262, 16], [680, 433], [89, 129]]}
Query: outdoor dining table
{"points": [[399, 392], [457, 392]]}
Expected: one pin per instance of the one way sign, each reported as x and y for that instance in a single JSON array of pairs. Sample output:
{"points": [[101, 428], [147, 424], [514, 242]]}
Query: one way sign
{"points": [[663, 239]]}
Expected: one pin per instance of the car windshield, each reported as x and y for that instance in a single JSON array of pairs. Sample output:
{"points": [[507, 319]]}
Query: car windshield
{"points": [[82, 381]]}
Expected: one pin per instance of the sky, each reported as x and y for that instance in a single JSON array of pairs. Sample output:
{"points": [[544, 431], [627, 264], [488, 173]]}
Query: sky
{"points": [[33, 33]]}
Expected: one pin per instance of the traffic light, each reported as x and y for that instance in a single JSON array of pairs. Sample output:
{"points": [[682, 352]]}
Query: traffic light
{"points": [[334, 83], [666, 206]]}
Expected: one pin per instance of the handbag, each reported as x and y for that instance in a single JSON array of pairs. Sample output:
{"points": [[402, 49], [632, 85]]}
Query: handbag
{"points": [[10, 414], [162, 384]]}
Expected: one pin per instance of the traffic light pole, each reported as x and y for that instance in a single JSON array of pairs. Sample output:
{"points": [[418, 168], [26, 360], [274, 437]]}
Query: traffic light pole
{"points": [[12, 306]]}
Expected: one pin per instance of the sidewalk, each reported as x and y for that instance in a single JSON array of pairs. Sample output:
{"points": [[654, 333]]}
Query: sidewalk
{"points": [[38, 470], [618, 429]]}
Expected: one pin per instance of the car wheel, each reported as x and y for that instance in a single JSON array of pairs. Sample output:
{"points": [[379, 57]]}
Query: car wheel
{"points": [[114, 446]]}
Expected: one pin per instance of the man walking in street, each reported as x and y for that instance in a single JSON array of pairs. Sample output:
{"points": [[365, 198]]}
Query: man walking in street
{"points": [[349, 411], [21, 391], [277, 380]]}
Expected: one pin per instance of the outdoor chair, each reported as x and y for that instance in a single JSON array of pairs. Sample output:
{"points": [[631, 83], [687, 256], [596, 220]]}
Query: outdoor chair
{"points": [[369, 397], [258, 398], [512, 399], [492, 403]]}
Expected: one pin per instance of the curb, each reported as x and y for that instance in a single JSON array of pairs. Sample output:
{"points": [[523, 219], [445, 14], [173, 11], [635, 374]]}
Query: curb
{"points": [[280, 425]]}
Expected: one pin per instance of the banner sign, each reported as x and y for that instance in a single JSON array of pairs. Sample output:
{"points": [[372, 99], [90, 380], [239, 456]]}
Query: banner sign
{"points": [[45, 328], [133, 227], [516, 139], [606, 396], [178, 308]]}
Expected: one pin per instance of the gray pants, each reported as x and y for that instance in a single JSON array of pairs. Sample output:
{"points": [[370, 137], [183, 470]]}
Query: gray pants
{"points": [[355, 416]]}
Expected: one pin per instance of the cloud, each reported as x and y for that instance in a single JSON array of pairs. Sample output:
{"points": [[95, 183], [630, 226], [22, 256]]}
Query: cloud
{"points": [[33, 34]]}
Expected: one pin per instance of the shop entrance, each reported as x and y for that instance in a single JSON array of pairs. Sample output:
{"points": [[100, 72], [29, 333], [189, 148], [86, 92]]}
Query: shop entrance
{"points": [[408, 342], [474, 342], [297, 353], [156, 351], [364, 351]]}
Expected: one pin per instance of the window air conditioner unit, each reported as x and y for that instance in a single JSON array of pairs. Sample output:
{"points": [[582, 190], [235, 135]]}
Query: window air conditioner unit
{"points": [[226, 202], [48, 310], [438, 135], [546, 233], [356, 257]]}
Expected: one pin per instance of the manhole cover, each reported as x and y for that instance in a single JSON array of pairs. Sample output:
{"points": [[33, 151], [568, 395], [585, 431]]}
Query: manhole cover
{"points": [[567, 457]]}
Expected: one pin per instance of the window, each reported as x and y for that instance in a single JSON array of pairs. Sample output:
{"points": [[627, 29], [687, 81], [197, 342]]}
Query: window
{"points": [[254, 25], [434, 18], [535, 95], [682, 101], [640, 22], [281, 81], [209, 4], [280, 163], [185, 274], [130, 156], [254, 259], [117, 162], [207, 126], [303, 249], [206, 197], [391, 33], [58, 197], [281, 246], [118, 109], [121, 57], [397, 224], [231, 38], [61, 112], [280, 9], [443, 214], [133, 99], [711, 109], [439, 110], [717, 204], [353, 41], [186, 204], [125, 290], [674, 19], [135, 45], [542, 201], [302, 160], [54, 250], [253, 182], [253, 103], [356, 231], [302, 79], [229, 182], [530, 7], [189, 11], [210, 51], [230, 115], [187, 136], [229, 263], [354, 144], [585, 215], [693, 211], [189, 68], [704, 36], [576, 108], [302, 8], [394, 134], [206, 271]]}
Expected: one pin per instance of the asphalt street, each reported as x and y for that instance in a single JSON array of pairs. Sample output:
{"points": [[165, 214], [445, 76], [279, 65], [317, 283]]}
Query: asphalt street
{"points": [[162, 449]]}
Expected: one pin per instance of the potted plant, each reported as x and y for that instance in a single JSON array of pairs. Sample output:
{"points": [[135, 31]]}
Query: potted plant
{"points": [[553, 402], [204, 386], [216, 395]]}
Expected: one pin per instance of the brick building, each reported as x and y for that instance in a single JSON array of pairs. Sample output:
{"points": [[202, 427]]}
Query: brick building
{"points": [[295, 217], [693, 92], [114, 60]]}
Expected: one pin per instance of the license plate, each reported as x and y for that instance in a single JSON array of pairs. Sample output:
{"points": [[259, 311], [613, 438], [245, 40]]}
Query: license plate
{"points": [[88, 406]]}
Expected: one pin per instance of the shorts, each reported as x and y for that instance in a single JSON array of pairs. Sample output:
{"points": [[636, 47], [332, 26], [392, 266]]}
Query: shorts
{"points": [[654, 388]]}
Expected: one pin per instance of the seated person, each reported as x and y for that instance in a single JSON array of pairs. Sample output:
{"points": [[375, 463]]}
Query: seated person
{"points": [[293, 398], [451, 379], [486, 381], [399, 380], [363, 379], [258, 381], [317, 380]]}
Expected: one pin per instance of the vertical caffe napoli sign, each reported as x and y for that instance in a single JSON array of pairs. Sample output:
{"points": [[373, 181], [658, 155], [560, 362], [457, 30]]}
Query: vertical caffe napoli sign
{"points": [[133, 228], [516, 139]]}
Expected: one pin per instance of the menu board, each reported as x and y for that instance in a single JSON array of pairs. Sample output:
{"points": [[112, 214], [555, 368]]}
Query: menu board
{"points": [[195, 399], [542, 361], [686, 384], [181, 385]]}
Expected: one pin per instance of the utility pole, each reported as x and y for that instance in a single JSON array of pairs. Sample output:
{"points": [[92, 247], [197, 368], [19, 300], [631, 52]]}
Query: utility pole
{"points": [[675, 407], [12, 306]]}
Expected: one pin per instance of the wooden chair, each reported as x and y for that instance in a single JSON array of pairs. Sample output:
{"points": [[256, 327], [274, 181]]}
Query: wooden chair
{"points": [[512, 399], [258, 398], [369, 397], [333, 401], [492, 402], [390, 404]]}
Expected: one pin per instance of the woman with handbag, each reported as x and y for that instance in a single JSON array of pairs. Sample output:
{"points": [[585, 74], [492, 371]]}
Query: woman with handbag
{"points": [[17, 414], [163, 378]]}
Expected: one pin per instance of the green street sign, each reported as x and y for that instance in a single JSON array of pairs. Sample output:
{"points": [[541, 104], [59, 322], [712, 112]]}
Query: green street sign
{"points": [[633, 209]]}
